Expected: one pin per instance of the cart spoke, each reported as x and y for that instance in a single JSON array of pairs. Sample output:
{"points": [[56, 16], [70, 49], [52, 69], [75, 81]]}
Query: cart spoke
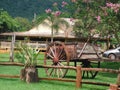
{"points": [[62, 56], [58, 73], [53, 53], [60, 52], [87, 74], [54, 49], [91, 73], [49, 55], [83, 74], [60, 64], [61, 70], [51, 71]]}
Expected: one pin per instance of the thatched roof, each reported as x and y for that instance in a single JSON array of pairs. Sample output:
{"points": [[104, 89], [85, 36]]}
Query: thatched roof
{"points": [[44, 30]]}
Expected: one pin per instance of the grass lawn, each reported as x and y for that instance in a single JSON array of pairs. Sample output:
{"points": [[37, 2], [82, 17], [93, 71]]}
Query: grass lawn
{"points": [[17, 84]]}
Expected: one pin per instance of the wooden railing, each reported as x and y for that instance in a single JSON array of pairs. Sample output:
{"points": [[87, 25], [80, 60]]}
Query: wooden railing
{"points": [[78, 79]]}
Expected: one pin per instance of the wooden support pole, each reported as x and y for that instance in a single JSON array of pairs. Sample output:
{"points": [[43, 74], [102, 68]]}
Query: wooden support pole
{"points": [[113, 87], [78, 77], [118, 78], [12, 48]]}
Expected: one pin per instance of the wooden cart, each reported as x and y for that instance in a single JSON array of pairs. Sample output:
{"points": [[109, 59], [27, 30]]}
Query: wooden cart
{"points": [[61, 54]]}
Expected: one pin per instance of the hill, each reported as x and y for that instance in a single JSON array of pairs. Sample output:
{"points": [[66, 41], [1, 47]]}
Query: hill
{"points": [[26, 8]]}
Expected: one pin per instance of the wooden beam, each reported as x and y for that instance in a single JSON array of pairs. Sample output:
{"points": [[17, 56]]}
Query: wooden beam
{"points": [[11, 64], [58, 79], [96, 83], [9, 76], [78, 77], [101, 70], [62, 67]]}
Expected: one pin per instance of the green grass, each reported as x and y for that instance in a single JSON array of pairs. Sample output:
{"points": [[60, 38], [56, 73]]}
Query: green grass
{"points": [[17, 84]]}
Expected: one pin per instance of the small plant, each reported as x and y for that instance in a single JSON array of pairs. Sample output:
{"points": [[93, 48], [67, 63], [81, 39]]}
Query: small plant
{"points": [[28, 56]]}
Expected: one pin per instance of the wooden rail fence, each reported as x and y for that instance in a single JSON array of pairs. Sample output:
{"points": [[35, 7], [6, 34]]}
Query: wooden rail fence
{"points": [[78, 79]]}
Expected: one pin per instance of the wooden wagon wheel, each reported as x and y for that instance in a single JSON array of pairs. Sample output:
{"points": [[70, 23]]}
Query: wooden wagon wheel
{"points": [[90, 64], [56, 55]]}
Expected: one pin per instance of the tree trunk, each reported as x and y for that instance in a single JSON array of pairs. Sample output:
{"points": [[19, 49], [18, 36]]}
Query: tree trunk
{"points": [[29, 74]]}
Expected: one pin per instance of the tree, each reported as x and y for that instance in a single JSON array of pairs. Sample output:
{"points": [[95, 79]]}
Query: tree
{"points": [[86, 14], [55, 19], [7, 23], [94, 14], [110, 20], [24, 24]]}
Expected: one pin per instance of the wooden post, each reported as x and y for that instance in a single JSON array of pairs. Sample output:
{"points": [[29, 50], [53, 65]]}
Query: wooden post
{"points": [[113, 87], [118, 78], [12, 49], [78, 77]]}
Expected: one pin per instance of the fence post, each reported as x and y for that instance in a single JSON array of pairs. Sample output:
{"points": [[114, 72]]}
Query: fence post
{"points": [[118, 78], [78, 77], [12, 48], [113, 87]]}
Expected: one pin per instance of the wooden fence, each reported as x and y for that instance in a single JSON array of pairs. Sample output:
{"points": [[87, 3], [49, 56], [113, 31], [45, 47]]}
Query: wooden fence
{"points": [[78, 79]]}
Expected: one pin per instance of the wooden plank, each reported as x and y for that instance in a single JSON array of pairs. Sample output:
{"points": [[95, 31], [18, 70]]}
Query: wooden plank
{"points": [[11, 64], [96, 83], [95, 59], [62, 67], [9, 76], [58, 79], [104, 59], [101, 70]]}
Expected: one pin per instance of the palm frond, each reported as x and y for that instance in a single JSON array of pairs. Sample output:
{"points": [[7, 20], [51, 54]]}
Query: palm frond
{"points": [[27, 54]]}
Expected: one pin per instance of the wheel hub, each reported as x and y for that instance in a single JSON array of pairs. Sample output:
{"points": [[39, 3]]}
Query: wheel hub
{"points": [[55, 60]]}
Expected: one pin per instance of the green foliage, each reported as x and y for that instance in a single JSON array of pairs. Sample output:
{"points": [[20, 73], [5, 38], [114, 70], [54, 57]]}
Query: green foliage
{"points": [[24, 24], [85, 13], [26, 8], [27, 55], [110, 22], [94, 15], [7, 23], [10, 24]]}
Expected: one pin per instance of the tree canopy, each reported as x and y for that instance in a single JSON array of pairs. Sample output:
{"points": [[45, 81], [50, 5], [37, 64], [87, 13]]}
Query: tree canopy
{"points": [[7, 23], [10, 24], [97, 16]]}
